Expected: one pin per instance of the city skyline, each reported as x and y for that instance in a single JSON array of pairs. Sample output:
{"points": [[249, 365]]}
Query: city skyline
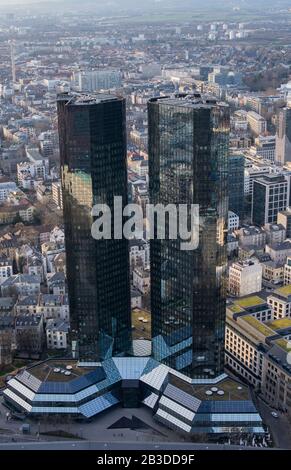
{"points": [[145, 224]]}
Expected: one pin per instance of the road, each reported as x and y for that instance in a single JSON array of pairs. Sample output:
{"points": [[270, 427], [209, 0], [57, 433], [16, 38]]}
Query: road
{"points": [[280, 428], [89, 445]]}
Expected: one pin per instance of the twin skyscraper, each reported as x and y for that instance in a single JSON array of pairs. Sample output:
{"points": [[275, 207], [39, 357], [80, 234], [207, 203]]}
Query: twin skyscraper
{"points": [[188, 164]]}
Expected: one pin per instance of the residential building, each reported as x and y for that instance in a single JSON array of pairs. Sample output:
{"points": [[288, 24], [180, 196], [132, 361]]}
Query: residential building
{"points": [[21, 284], [252, 236], [5, 189], [57, 194], [54, 307], [139, 253], [29, 334], [273, 272], [284, 218], [6, 268], [6, 339], [287, 272], [233, 221], [141, 279], [136, 298], [279, 251], [245, 277], [57, 334], [275, 233]]}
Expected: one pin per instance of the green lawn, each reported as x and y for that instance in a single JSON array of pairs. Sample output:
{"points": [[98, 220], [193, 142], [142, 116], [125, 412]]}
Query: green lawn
{"points": [[285, 290], [260, 327], [284, 344], [252, 301], [279, 324]]}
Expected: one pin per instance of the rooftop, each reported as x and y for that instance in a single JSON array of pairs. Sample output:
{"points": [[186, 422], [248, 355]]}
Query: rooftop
{"points": [[232, 389], [259, 326], [87, 98], [280, 324], [52, 370], [252, 301], [284, 291], [283, 344], [182, 100]]}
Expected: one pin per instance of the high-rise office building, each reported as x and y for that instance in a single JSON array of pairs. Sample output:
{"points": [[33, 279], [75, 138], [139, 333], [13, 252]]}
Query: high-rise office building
{"points": [[236, 181], [283, 137], [188, 164], [94, 80], [93, 170], [270, 196]]}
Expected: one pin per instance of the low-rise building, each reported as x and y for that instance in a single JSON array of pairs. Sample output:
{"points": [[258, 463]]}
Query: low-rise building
{"points": [[273, 272], [29, 334], [284, 218], [280, 302], [6, 339], [26, 305], [233, 221], [56, 334], [259, 352], [257, 123], [141, 279], [279, 251], [57, 195], [54, 307], [287, 272], [245, 277], [6, 268], [21, 284], [138, 253], [57, 283], [275, 233], [136, 298], [249, 235]]}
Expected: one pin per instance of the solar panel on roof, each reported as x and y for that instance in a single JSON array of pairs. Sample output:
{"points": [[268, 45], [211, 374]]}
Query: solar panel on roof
{"points": [[190, 402], [225, 406], [29, 380]]}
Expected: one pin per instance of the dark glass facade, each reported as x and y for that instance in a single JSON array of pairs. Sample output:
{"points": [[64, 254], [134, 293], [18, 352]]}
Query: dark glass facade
{"points": [[188, 164], [270, 196], [236, 184], [93, 170]]}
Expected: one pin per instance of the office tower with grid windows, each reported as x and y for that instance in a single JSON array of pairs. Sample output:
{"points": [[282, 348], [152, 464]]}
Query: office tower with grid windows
{"points": [[92, 135], [188, 164], [283, 136]]}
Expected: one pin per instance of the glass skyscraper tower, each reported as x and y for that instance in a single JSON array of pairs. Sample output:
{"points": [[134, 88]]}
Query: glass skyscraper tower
{"points": [[188, 164], [92, 132]]}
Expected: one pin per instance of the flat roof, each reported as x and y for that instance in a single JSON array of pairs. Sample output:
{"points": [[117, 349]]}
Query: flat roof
{"points": [[88, 98], [191, 100], [285, 291], [45, 371], [233, 390], [259, 326], [279, 324], [252, 301]]}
